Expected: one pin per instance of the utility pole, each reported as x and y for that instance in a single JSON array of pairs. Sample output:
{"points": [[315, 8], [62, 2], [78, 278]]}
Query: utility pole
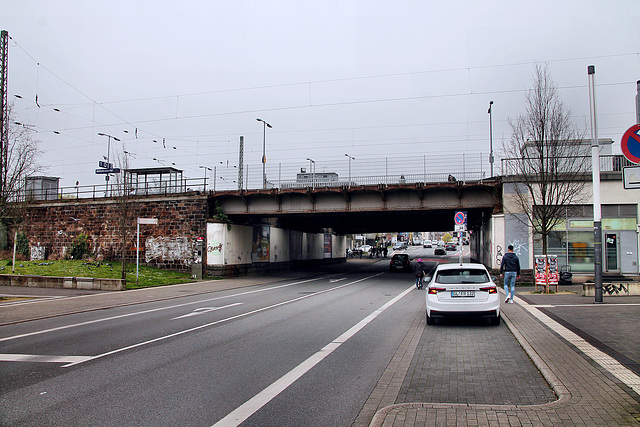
{"points": [[490, 138], [638, 101], [241, 163], [595, 165], [4, 110]]}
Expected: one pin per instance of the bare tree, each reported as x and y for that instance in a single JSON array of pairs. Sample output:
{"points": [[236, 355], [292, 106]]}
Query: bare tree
{"points": [[125, 209], [546, 155], [22, 154]]}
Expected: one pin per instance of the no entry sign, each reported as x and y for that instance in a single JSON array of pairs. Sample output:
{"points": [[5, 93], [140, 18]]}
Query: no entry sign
{"points": [[631, 144]]}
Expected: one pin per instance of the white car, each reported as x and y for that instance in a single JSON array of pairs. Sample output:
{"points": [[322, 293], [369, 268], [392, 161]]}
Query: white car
{"points": [[462, 290], [365, 248]]}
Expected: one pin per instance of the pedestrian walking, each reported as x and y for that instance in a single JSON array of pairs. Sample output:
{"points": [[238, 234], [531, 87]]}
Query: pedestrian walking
{"points": [[510, 270]]}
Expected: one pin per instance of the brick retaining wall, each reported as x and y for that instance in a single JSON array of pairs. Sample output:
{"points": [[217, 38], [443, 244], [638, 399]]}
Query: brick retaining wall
{"points": [[181, 219]]}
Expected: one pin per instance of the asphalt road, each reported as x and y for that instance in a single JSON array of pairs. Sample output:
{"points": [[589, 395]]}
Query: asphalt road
{"points": [[298, 352]]}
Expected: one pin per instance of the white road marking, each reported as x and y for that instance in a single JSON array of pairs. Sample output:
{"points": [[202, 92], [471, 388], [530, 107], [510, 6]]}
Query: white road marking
{"points": [[59, 328], [41, 358], [337, 280], [244, 411], [207, 325], [625, 375], [204, 310], [597, 306]]}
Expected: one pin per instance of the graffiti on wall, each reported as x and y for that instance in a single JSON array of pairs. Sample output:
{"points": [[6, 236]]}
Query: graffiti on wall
{"points": [[498, 254], [168, 249], [519, 248], [215, 237], [615, 288], [260, 243]]}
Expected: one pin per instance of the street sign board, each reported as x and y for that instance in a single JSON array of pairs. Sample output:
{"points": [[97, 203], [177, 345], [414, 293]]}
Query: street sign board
{"points": [[460, 227], [150, 221], [631, 177], [103, 171], [105, 165], [630, 143]]}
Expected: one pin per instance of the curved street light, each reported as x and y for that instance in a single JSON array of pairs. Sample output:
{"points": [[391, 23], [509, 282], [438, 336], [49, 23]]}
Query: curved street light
{"points": [[350, 158], [106, 175], [206, 168], [313, 177], [264, 154]]}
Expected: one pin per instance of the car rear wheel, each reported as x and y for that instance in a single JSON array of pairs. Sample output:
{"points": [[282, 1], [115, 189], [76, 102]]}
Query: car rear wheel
{"points": [[430, 320], [495, 321]]}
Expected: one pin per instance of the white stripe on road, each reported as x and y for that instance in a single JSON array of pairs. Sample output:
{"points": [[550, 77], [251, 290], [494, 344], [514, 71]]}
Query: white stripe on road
{"points": [[40, 358], [204, 310], [59, 328], [207, 325], [250, 407]]}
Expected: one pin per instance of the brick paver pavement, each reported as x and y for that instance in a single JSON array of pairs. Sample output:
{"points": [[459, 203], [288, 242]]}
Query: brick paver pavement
{"points": [[586, 393]]}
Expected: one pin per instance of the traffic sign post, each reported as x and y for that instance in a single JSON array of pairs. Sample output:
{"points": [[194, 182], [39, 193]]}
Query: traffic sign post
{"points": [[630, 143], [460, 220]]}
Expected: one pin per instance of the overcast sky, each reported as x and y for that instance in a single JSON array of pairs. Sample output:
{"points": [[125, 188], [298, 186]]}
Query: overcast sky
{"points": [[405, 81]]}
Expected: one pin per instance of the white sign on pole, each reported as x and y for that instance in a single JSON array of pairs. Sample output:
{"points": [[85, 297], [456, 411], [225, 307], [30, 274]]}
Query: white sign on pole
{"points": [[150, 221], [631, 177]]}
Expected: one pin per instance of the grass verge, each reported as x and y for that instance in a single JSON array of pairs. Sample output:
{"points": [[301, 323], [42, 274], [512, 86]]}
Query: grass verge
{"points": [[148, 276]]}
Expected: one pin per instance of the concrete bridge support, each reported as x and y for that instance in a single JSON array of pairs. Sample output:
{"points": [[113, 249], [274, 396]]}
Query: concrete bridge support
{"points": [[241, 249]]}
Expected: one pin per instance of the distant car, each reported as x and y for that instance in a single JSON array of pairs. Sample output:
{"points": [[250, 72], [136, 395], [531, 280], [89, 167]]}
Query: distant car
{"points": [[400, 246], [439, 251], [462, 290], [364, 249], [450, 246], [400, 262], [426, 244]]}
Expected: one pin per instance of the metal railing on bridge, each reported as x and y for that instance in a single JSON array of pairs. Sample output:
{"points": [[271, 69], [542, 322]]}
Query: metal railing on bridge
{"points": [[377, 180], [469, 168]]}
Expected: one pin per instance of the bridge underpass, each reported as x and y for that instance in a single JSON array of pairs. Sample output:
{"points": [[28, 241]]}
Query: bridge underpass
{"points": [[362, 209]]}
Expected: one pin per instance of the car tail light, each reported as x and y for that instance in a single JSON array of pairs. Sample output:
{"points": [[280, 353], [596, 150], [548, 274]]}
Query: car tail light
{"points": [[434, 291], [490, 289]]}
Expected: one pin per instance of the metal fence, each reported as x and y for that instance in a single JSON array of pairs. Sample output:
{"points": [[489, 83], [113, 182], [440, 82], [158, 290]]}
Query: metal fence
{"points": [[608, 163], [466, 167]]}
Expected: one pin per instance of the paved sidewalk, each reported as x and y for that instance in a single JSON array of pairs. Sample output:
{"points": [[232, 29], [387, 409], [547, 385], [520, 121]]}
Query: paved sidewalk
{"points": [[587, 393]]}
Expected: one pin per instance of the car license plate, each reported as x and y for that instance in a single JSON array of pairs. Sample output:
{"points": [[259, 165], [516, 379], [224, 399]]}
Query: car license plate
{"points": [[463, 294]]}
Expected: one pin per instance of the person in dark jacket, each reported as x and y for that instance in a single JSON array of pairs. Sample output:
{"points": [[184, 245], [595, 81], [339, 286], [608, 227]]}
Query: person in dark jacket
{"points": [[510, 270], [420, 268]]}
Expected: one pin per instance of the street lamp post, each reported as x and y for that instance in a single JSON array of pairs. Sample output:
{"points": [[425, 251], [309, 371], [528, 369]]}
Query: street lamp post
{"points": [[204, 188], [106, 176], [313, 177], [264, 154], [490, 138], [350, 158]]}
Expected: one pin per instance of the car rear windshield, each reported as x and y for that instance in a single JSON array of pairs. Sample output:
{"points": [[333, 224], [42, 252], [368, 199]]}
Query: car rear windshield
{"points": [[401, 257], [462, 276]]}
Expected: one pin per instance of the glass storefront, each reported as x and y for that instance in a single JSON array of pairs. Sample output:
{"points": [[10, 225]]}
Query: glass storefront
{"points": [[572, 242]]}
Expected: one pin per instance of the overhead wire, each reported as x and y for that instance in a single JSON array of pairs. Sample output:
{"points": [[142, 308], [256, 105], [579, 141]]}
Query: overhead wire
{"points": [[151, 135]]}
